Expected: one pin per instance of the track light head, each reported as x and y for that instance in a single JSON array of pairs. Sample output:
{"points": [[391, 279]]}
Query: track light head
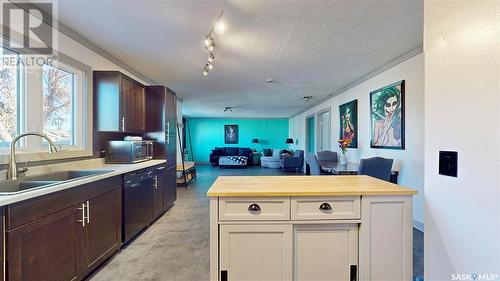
{"points": [[211, 58]]}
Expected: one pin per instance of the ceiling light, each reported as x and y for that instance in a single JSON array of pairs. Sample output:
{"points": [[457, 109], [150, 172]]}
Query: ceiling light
{"points": [[220, 27]]}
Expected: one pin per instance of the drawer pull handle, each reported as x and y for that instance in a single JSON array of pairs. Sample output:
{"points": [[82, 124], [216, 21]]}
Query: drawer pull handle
{"points": [[254, 208], [325, 207]]}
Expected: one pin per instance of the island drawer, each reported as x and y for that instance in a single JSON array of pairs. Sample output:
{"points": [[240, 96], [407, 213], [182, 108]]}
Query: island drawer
{"points": [[254, 208], [325, 208]]}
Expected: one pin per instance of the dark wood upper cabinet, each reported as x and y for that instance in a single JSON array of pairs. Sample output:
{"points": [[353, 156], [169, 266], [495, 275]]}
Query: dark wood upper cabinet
{"points": [[171, 111], [119, 103], [161, 121]]}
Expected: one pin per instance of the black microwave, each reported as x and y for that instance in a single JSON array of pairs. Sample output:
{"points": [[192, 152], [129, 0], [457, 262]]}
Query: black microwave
{"points": [[129, 152]]}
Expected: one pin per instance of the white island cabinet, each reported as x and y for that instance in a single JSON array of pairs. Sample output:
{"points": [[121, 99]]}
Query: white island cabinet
{"points": [[309, 228]]}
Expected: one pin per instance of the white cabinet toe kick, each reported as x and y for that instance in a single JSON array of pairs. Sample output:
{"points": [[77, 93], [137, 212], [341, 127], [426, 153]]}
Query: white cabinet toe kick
{"points": [[311, 238]]}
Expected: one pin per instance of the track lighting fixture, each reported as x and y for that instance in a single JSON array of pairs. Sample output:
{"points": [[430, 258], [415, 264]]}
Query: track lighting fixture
{"points": [[219, 27]]}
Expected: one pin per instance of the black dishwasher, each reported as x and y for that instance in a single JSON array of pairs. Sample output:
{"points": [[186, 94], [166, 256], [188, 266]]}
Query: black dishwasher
{"points": [[137, 203]]}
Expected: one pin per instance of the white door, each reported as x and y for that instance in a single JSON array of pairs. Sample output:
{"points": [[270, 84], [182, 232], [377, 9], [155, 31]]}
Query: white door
{"points": [[325, 252], [256, 252]]}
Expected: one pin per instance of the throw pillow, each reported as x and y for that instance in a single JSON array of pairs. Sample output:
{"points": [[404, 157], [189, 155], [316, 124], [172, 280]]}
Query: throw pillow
{"points": [[267, 152]]}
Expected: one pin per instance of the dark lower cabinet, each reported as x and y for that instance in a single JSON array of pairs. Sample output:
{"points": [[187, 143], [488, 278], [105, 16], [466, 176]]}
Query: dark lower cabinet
{"points": [[170, 186], [102, 234], [158, 191], [71, 241], [47, 249], [165, 189], [2, 252]]}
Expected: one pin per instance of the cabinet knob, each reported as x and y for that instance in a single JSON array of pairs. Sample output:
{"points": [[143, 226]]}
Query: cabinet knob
{"points": [[254, 208], [325, 207]]}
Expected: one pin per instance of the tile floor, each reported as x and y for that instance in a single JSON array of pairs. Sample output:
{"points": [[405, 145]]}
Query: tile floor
{"points": [[176, 247]]}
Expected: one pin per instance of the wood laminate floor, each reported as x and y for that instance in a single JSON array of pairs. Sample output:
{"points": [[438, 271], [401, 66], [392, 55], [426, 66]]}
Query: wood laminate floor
{"points": [[176, 246]]}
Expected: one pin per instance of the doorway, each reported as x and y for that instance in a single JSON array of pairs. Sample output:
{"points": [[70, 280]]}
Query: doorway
{"points": [[310, 134]]}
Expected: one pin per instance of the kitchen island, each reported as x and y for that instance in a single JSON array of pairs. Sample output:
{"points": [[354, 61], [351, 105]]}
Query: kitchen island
{"points": [[310, 228]]}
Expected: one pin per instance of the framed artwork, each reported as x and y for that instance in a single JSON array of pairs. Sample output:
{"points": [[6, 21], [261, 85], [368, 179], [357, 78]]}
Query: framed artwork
{"points": [[230, 134], [387, 114], [349, 122]]}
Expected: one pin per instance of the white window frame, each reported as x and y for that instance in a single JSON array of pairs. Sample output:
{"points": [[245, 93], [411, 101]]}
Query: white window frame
{"points": [[31, 82]]}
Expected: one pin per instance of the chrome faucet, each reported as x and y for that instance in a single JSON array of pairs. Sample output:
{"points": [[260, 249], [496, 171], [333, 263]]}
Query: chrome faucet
{"points": [[12, 170]]}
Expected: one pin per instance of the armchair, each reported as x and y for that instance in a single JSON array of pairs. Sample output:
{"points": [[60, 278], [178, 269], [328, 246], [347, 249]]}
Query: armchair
{"points": [[294, 162]]}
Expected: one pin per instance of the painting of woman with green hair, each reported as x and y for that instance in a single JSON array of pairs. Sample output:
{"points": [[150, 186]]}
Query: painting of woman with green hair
{"points": [[387, 117]]}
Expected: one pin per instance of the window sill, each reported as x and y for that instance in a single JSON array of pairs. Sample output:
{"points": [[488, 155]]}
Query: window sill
{"points": [[44, 156]]}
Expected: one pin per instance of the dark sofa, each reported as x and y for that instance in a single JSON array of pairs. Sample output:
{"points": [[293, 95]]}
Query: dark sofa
{"points": [[230, 151]]}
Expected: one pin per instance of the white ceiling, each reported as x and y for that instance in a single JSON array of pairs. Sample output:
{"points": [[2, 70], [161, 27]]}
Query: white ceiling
{"points": [[307, 47]]}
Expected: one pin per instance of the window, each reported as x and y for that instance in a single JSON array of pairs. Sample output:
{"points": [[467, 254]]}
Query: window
{"points": [[58, 94], [45, 98], [9, 81], [324, 130]]}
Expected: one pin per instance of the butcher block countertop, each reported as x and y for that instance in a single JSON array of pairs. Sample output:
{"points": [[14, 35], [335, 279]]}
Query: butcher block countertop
{"points": [[304, 186]]}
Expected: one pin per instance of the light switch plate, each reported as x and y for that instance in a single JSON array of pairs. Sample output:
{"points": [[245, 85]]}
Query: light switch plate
{"points": [[448, 163]]}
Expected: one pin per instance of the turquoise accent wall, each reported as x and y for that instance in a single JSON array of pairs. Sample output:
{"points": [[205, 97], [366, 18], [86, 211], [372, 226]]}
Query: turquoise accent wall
{"points": [[207, 133]]}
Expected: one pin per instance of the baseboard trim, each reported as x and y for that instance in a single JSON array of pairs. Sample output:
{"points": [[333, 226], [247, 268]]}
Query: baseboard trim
{"points": [[418, 225]]}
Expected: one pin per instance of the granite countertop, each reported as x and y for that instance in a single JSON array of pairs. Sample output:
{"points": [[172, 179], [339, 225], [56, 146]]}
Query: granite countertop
{"points": [[305, 186], [91, 164]]}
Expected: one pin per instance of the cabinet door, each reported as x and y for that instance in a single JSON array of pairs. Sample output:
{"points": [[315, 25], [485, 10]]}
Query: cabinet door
{"points": [[171, 149], [132, 106], [170, 112], [170, 188], [158, 191], [46, 249], [102, 233], [325, 252], [256, 252]]}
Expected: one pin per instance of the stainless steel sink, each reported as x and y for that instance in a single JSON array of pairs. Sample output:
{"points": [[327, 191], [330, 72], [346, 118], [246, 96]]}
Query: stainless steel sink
{"points": [[65, 175], [10, 187]]}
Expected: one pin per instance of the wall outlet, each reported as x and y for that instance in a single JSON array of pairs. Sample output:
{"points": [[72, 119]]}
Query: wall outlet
{"points": [[448, 163]]}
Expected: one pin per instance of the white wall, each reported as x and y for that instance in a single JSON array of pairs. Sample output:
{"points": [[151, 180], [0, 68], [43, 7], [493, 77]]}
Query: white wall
{"points": [[462, 104], [410, 161]]}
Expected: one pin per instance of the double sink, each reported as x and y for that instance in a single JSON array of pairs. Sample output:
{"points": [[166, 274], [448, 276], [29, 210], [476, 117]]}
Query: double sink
{"points": [[28, 183]]}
